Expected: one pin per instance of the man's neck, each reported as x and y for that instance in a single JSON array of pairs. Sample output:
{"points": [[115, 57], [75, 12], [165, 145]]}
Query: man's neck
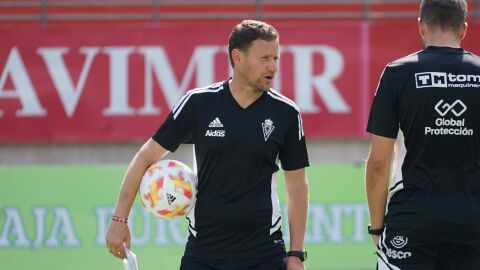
{"points": [[442, 39], [243, 95]]}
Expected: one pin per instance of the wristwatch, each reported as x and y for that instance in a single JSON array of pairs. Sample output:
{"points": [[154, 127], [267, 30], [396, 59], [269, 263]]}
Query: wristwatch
{"points": [[301, 254], [378, 231]]}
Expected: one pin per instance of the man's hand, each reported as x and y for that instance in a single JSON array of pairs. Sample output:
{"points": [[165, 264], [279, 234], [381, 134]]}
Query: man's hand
{"points": [[118, 234], [376, 240], [294, 263]]}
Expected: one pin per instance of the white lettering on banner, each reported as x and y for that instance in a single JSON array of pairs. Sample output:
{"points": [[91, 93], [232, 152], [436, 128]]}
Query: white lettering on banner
{"points": [[306, 82], [174, 227], [40, 214], [62, 233], [118, 80], [142, 238], [157, 63], [62, 229], [167, 231], [23, 87], [13, 227], [158, 69], [69, 93], [328, 223], [103, 215]]}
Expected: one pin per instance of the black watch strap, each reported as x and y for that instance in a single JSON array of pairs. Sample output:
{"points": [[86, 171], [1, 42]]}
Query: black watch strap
{"points": [[378, 231], [301, 254]]}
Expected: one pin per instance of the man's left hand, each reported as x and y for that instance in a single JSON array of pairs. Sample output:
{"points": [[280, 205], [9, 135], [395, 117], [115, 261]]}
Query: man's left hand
{"points": [[294, 263]]}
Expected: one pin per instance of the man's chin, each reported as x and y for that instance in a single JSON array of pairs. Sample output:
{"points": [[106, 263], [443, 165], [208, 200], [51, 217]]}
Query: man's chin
{"points": [[266, 87], [263, 87]]}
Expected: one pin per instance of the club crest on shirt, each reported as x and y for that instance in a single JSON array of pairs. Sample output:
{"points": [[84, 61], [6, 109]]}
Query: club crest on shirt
{"points": [[267, 128]]}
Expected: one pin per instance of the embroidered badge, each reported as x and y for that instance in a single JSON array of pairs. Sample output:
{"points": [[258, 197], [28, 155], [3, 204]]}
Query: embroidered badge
{"points": [[267, 128]]}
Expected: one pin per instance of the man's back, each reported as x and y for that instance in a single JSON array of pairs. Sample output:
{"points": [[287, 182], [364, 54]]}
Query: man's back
{"points": [[434, 97]]}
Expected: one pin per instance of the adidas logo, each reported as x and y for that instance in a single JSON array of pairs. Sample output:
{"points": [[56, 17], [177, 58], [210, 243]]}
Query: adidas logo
{"points": [[215, 123], [170, 198]]}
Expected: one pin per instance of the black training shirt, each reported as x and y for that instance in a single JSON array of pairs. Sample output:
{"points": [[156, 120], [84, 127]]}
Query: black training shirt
{"points": [[237, 213], [433, 98]]}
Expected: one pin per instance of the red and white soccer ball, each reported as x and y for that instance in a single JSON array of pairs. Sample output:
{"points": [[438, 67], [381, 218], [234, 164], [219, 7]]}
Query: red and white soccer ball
{"points": [[168, 189]]}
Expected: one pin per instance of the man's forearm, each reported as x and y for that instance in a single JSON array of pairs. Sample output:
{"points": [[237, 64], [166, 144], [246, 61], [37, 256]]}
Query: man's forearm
{"points": [[376, 187], [129, 188], [297, 212], [377, 192], [377, 177], [147, 155]]}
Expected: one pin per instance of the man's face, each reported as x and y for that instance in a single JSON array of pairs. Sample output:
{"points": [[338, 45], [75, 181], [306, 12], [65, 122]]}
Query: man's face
{"points": [[258, 64]]}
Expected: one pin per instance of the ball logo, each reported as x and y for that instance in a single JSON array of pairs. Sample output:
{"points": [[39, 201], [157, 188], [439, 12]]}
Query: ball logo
{"points": [[457, 107], [399, 241], [170, 198], [168, 189]]}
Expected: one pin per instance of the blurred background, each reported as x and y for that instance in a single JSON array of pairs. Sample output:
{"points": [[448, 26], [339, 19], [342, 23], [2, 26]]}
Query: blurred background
{"points": [[84, 83]]}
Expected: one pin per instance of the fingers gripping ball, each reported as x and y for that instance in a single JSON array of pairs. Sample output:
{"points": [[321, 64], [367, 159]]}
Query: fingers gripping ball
{"points": [[168, 189]]}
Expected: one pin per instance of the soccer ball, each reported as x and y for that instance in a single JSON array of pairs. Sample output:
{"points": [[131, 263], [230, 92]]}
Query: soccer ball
{"points": [[168, 189]]}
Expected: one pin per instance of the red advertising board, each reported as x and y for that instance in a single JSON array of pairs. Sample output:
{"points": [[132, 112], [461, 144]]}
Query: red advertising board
{"points": [[117, 83]]}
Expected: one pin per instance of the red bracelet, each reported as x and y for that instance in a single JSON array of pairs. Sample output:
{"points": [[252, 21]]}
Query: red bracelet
{"points": [[120, 219]]}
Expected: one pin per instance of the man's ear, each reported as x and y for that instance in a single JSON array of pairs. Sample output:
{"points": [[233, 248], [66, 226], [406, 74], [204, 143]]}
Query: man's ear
{"points": [[422, 28], [463, 30], [237, 56]]}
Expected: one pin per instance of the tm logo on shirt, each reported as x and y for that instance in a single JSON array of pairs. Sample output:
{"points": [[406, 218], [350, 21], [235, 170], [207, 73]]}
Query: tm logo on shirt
{"points": [[446, 80]]}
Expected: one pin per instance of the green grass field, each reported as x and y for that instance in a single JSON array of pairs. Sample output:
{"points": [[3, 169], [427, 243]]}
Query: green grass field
{"points": [[55, 217]]}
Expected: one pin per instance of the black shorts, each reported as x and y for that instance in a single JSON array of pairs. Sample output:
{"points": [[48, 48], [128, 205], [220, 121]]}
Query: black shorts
{"points": [[275, 262], [400, 252]]}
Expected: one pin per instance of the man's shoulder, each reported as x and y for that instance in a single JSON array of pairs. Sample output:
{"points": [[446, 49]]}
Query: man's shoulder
{"points": [[212, 88], [205, 92], [196, 95], [472, 58], [281, 100], [412, 58]]}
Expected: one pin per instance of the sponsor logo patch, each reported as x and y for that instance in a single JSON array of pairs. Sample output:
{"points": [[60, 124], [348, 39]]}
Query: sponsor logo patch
{"points": [[398, 242], [457, 107], [447, 124], [446, 80]]}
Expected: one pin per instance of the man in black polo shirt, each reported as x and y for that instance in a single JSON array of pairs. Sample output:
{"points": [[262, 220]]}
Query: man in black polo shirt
{"points": [[432, 220], [240, 128]]}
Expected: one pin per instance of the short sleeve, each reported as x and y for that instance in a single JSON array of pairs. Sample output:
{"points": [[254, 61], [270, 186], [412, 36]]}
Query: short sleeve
{"points": [[178, 127], [383, 119], [293, 154]]}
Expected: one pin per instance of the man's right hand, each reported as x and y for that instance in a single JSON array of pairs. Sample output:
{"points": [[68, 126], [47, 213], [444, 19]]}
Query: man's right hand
{"points": [[376, 240], [118, 234]]}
